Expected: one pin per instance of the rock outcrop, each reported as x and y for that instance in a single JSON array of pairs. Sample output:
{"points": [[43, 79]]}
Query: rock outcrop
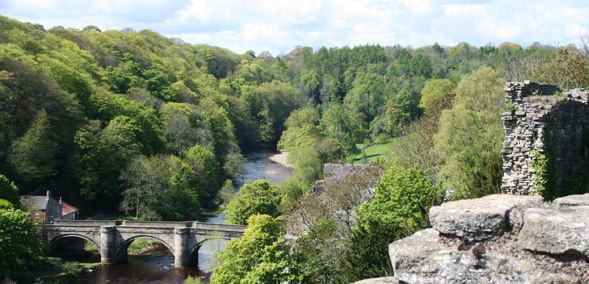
{"points": [[498, 239]]}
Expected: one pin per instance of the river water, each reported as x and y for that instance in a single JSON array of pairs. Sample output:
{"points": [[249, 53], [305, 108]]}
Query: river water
{"points": [[157, 264]]}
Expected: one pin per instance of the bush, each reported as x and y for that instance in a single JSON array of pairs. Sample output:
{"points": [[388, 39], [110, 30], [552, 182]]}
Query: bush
{"points": [[193, 280], [19, 245], [72, 268]]}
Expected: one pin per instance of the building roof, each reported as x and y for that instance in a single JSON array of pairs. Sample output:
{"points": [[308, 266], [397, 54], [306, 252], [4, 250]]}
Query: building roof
{"points": [[39, 201], [67, 209]]}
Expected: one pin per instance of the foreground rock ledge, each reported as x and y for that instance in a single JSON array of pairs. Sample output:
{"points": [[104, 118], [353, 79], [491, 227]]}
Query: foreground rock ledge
{"points": [[478, 219], [556, 231], [497, 239]]}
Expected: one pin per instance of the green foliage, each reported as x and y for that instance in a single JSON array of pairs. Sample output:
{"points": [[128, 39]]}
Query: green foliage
{"points": [[5, 205], [193, 280], [72, 268], [301, 130], [471, 135], [140, 244], [567, 69], [399, 208], [104, 153], [400, 111], [367, 254], [260, 256], [19, 244], [339, 123], [542, 169], [160, 187], [403, 197], [259, 197], [34, 155], [9, 192], [206, 171], [433, 91]]}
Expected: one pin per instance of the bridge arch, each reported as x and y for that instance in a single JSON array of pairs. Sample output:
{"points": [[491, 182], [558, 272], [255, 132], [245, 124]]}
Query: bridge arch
{"points": [[112, 238], [122, 248], [79, 236]]}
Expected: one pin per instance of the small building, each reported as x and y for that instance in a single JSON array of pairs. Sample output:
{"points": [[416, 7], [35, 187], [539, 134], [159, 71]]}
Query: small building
{"points": [[68, 212], [45, 209]]}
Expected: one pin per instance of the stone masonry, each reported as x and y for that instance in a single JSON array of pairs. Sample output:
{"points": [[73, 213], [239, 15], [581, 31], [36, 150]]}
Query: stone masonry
{"points": [[541, 114]]}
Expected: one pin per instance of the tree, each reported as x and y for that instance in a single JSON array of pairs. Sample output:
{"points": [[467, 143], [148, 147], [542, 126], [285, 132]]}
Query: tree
{"points": [[9, 191], [160, 188], [19, 245], [400, 111], [206, 171], [567, 69], [260, 256], [402, 196], [259, 197], [341, 124], [104, 153], [433, 91], [34, 154], [470, 136]]}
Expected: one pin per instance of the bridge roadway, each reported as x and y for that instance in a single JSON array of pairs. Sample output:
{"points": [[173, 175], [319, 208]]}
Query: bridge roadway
{"points": [[112, 238]]}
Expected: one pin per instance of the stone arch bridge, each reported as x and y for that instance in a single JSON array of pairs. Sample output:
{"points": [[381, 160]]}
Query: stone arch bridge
{"points": [[112, 238]]}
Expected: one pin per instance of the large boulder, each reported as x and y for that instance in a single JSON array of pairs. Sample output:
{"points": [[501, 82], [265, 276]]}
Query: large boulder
{"points": [[573, 200], [422, 258], [556, 231], [478, 219]]}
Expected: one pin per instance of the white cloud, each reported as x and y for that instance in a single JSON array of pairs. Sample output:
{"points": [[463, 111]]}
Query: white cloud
{"points": [[280, 25]]}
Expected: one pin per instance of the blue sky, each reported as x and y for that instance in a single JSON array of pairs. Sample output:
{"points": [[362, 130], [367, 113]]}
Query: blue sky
{"points": [[279, 26]]}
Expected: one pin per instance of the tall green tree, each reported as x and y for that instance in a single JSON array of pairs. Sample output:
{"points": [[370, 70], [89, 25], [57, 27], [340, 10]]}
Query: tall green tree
{"points": [[34, 155], [259, 197], [340, 123], [470, 136], [260, 256], [160, 188], [104, 153]]}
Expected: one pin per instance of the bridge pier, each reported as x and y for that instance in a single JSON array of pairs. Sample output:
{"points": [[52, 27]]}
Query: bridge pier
{"points": [[183, 241], [107, 243], [108, 246]]}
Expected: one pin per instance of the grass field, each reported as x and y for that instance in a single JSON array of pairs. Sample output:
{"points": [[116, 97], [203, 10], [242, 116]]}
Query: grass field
{"points": [[372, 153]]}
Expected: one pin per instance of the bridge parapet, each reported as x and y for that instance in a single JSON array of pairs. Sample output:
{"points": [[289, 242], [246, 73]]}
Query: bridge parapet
{"points": [[113, 237]]}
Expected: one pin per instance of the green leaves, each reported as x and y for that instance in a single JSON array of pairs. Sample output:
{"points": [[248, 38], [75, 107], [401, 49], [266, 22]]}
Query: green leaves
{"points": [[9, 191], [260, 256], [34, 155], [402, 196], [259, 197], [19, 245], [470, 136]]}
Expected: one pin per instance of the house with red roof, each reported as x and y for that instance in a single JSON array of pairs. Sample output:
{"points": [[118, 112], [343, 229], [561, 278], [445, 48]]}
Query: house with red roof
{"points": [[46, 209]]}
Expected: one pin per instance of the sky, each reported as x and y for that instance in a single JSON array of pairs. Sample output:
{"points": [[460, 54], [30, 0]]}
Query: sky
{"points": [[279, 26]]}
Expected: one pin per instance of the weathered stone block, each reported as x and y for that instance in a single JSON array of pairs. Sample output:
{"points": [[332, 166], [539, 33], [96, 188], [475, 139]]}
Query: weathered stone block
{"points": [[556, 231], [477, 219], [573, 200]]}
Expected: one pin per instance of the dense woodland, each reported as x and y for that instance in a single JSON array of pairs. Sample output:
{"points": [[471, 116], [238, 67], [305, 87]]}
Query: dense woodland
{"points": [[131, 121]]}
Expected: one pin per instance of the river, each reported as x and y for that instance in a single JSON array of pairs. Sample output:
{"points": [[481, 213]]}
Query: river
{"points": [[157, 264]]}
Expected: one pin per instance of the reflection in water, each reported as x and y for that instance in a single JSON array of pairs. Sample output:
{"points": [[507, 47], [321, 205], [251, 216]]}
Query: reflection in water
{"points": [[157, 265]]}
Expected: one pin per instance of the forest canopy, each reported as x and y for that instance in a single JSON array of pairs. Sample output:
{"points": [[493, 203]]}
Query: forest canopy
{"points": [[86, 113]]}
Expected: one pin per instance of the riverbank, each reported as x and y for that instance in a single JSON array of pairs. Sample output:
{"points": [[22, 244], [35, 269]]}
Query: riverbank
{"points": [[281, 159]]}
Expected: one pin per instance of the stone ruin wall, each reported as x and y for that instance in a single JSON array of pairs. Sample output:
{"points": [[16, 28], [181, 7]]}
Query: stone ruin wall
{"points": [[542, 111]]}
